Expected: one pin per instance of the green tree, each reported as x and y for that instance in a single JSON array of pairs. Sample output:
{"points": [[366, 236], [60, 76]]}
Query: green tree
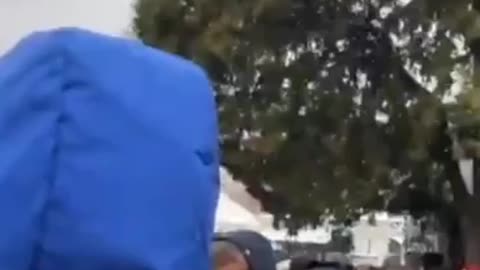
{"points": [[336, 106]]}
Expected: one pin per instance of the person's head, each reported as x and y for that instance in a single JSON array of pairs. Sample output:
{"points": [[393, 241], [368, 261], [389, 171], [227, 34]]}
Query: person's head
{"points": [[226, 256], [243, 250]]}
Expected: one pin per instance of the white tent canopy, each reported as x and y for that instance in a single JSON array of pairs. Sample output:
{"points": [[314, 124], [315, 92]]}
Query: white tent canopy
{"points": [[232, 216]]}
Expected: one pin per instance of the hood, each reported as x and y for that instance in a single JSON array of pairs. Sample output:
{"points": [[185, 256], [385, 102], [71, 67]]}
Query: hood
{"points": [[108, 156]]}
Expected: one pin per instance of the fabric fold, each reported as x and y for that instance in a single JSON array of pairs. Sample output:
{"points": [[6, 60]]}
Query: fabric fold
{"points": [[108, 156]]}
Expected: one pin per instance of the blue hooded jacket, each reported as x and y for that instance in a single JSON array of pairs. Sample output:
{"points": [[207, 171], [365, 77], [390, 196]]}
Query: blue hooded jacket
{"points": [[108, 156]]}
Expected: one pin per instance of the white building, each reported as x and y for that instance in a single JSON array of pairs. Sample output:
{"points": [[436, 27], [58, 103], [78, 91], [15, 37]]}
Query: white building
{"points": [[383, 236]]}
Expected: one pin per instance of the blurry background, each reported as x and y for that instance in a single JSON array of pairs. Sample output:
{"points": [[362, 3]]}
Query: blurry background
{"points": [[20, 17]]}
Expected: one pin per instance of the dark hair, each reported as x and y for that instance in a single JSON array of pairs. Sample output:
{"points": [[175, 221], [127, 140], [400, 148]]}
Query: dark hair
{"points": [[256, 248], [308, 263], [431, 259]]}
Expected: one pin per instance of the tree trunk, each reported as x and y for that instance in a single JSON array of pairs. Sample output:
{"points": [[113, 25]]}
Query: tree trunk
{"points": [[471, 234], [471, 222], [455, 245]]}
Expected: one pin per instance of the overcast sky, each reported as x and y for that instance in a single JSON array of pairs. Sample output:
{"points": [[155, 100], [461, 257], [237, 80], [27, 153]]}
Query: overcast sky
{"points": [[20, 17]]}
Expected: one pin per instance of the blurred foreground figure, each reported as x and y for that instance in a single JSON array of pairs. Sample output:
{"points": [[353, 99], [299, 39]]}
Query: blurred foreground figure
{"points": [[242, 250], [108, 156]]}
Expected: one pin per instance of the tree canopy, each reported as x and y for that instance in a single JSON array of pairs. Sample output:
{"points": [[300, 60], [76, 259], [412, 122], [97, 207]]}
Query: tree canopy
{"points": [[334, 107]]}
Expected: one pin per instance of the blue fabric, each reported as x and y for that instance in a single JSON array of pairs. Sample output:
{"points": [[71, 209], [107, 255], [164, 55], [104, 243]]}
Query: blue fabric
{"points": [[108, 156]]}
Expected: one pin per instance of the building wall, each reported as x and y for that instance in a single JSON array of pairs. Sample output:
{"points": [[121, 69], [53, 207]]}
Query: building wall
{"points": [[371, 239], [375, 243]]}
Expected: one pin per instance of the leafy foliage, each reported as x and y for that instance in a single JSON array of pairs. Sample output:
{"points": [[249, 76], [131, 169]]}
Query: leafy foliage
{"points": [[333, 106]]}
